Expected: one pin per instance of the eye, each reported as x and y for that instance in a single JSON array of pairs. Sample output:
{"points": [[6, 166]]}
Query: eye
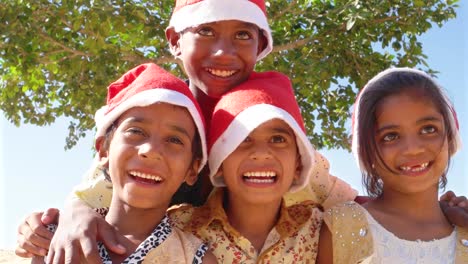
{"points": [[243, 35], [390, 137], [134, 131], [428, 129], [206, 31], [278, 139], [175, 140]]}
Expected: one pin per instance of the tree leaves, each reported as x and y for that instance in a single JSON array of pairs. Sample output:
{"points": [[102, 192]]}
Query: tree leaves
{"points": [[57, 57]]}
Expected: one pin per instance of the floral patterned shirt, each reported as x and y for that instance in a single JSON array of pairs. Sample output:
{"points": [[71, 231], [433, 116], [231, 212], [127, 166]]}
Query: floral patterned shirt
{"points": [[294, 239]]}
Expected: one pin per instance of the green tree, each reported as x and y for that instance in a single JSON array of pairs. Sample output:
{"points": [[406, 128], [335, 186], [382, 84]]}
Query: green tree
{"points": [[57, 57]]}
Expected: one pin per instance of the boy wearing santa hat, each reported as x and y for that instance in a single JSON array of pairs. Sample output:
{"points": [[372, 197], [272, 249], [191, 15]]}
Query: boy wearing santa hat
{"points": [[258, 152]]}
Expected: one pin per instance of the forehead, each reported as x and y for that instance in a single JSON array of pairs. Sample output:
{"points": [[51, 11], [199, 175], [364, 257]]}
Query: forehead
{"points": [[232, 24], [273, 126], [405, 107]]}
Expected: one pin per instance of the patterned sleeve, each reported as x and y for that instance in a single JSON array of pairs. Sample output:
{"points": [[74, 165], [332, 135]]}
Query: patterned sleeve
{"points": [[324, 188], [94, 190]]}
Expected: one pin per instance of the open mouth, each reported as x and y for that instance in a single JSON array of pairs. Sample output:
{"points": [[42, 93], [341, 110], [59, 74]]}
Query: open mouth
{"points": [[415, 168], [145, 178], [260, 177], [221, 73]]}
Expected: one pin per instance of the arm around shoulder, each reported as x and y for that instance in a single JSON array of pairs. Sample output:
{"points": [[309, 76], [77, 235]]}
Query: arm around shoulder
{"points": [[209, 258], [325, 248]]}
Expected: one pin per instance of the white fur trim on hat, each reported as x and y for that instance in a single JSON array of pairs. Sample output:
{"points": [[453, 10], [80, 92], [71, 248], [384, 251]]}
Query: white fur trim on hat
{"points": [[209, 11], [146, 98], [244, 123]]}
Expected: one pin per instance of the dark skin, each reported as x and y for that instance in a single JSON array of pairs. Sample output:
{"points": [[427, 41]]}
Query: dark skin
{"points": [[33, 238]]}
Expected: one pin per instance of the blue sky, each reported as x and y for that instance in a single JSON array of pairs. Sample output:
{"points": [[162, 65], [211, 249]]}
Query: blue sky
{"points": [[36, 172]]}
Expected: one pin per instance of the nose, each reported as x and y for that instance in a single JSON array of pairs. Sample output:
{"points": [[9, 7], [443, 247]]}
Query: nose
{"points": [[224, 47], [260, 152], [413, 146], [151, 149]]}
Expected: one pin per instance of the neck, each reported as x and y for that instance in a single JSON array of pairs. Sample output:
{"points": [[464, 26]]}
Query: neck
{"points": [[422, 206], [206, 102], [253, 221], [134, 223]]}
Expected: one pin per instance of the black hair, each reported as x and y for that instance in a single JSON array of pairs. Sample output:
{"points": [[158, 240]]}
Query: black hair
{"points": [[381, 87]]}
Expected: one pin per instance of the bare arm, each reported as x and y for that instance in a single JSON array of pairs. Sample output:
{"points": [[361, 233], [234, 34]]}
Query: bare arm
{"points": [[325, 248], [209, 258], [78, 231]]}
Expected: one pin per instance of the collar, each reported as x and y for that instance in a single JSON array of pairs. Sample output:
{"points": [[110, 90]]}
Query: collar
{"points": [[291, 218]]}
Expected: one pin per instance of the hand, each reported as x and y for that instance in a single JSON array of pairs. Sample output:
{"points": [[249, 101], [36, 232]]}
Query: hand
{"points": [[455, 208], [33, 237], [75, 239]]}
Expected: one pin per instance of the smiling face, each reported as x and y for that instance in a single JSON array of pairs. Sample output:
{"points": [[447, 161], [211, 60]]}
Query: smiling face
{"points": [[150, 155], [412, 141], [263, 167], [218, 56]]}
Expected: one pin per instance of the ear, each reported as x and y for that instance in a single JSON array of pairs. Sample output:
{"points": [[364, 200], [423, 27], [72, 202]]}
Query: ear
{"points": [[192, 173], [262, 42], [102, 152], [173, 39], [298, 171]]}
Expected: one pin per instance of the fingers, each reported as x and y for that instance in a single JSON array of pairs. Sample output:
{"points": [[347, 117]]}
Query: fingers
{"points": [[447, 196], [459, 201], [27, 249], [50, 216], [90, 250], [20, 252], [456, 215], [33, 238], [111, 238]]}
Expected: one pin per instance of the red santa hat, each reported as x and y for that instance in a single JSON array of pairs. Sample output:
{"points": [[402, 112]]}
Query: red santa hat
{"points": [[190, 13], [453, 121], [145, 85], [263, 97]]}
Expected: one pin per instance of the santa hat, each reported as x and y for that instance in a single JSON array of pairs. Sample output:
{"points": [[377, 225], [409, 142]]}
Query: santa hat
{"points": [[453, 121], [145, 85], [263, 97], [190, 13]]}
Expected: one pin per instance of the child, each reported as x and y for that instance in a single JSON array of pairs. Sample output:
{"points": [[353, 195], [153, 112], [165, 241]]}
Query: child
{"points": [[404, 159], [259, 151], [150, 139], [218, 46]]}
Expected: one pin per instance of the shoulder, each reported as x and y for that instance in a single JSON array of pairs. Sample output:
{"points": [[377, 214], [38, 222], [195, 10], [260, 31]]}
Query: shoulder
{"points": [[180, 215]]}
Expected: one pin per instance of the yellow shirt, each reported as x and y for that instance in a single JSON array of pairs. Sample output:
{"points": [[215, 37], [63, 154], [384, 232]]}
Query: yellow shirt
{"points": [[323, 188], [294, 239]]}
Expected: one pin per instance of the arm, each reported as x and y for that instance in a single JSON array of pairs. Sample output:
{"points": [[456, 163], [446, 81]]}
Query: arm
{"points": [[77, 233], [209, 258], [455, 209], [325, 248]]}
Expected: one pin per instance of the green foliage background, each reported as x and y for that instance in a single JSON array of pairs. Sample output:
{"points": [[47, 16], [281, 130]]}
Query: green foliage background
{"points": [[57, 57]]}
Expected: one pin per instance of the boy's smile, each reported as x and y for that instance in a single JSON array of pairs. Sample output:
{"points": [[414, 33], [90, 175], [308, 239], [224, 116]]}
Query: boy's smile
{"points": [[264, 165], [218, 56], [414, 147]]}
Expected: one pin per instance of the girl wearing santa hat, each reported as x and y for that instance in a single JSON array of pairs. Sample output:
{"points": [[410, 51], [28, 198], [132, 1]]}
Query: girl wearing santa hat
{"points": [[404, 133], [150, 139]]}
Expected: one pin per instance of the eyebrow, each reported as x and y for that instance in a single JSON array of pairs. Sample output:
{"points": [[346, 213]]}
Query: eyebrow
{"points": [[282, 130], [422, 120], [171, 126]]}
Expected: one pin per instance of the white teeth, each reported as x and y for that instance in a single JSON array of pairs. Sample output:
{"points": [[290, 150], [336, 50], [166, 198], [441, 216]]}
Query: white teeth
{"points": [[417, 168], [145, 176], [221, 73], [266, 174], [270, 180]]}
